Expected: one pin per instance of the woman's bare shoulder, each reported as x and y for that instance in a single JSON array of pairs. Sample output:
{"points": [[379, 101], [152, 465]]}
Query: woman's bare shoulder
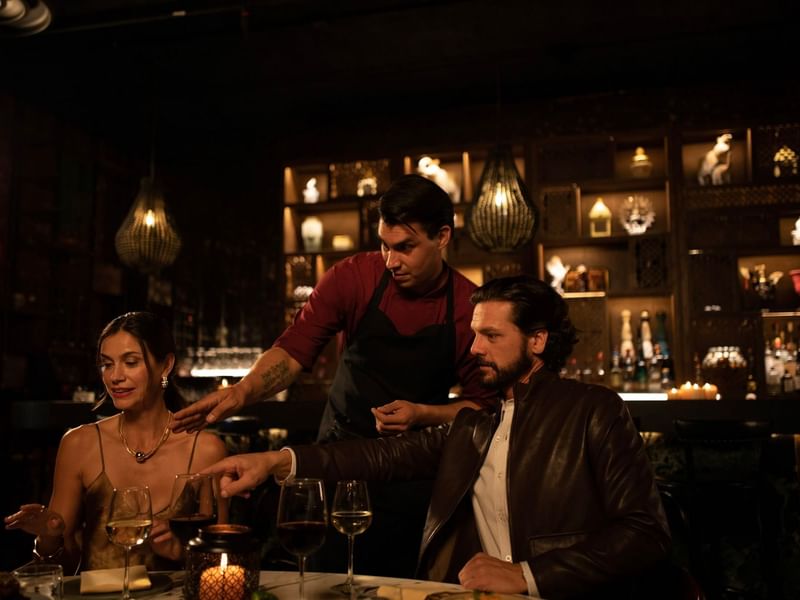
{"points": [[210, 449]]}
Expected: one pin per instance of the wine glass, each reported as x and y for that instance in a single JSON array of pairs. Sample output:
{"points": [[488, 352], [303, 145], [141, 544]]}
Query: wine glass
{"points": [[130, 519], [302, 520], [351, 515], [193, 505]]}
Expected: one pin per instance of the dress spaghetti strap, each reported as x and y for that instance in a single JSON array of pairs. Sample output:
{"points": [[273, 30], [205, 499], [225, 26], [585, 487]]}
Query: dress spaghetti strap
{"points": [[100, 441], [191, 456]]}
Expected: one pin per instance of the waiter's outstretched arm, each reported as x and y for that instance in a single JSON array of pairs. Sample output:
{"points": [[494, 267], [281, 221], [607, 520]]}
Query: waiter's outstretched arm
{"points": [[273, 372]]}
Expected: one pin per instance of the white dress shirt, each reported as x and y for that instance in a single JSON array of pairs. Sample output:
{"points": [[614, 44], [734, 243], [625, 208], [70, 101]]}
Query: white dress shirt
{"points": [[490, 498]]}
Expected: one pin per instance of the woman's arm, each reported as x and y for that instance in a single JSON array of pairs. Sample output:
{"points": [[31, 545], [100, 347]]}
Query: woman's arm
{"points": [[57, 526]]}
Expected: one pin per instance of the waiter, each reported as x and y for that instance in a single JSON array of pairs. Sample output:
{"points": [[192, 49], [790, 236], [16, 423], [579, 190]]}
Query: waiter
{"points": [[404, 316]]}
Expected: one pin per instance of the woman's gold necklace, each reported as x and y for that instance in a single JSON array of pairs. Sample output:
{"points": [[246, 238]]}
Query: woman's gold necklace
{"points": [[138, 454]]}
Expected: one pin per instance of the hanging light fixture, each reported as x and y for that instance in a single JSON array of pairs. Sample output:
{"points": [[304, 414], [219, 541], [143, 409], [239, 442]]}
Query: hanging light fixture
{"points": [[147, 239], [502, 219]]}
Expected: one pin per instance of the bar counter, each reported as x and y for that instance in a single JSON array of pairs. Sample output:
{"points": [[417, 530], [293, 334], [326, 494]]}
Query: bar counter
{"points": [[651, 415]]}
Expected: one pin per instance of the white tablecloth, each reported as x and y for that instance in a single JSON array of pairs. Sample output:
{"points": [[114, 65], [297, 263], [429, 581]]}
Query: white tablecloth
{"points": [[284, 585]]}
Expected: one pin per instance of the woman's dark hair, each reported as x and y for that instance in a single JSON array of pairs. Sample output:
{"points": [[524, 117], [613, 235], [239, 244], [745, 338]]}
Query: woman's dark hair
{"points": [[535, 306], [414, 199], [154, 336]]}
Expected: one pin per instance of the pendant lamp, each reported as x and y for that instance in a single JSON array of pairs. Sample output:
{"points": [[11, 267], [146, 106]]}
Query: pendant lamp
{"points": [[147, 239], [502, 219]]}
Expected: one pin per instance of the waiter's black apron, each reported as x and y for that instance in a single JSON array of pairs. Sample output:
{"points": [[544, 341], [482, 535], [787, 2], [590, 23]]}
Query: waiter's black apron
{"points": [[378, 366]]}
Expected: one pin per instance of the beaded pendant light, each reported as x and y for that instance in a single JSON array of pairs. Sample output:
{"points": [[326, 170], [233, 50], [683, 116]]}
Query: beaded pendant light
{"points": [[502, 219], [147, 239]]}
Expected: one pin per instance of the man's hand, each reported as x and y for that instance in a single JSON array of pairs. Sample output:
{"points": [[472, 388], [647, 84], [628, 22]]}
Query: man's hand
{"points": [[482, 572], [396, 416], [245, 472], [210, 409]]}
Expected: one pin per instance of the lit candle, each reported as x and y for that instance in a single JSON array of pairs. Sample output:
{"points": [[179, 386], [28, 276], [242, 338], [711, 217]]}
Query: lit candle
{"points": [[685, 392], [223, 582], [673, 394], [710, 391]]}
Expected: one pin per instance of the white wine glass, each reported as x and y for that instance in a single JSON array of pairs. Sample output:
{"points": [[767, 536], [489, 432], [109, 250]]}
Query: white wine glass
{"points": [[193, 505], [302, 520], [351, 515], [130, 518]]}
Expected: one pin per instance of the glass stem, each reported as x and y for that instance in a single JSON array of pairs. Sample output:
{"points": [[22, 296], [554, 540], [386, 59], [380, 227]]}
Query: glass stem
{"points": [[125, 593], [302, 567], [349, 581]]}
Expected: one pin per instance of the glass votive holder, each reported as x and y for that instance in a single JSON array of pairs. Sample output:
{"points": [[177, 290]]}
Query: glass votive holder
{"points": [[222, 563], [40, 580]]}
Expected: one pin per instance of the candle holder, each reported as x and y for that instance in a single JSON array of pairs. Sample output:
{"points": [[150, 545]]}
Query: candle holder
{"points": [[222, 563]]}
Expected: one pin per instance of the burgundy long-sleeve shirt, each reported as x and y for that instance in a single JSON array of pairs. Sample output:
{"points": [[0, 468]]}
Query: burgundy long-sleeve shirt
{"points": [[341, 298]]}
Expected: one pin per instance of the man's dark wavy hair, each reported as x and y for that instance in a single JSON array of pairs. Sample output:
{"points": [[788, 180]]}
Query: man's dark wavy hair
{"points": [[536, 306], [414, 199]]}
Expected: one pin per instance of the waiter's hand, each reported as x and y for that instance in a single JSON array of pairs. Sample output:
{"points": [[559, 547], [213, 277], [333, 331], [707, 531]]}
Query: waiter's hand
{"points": [[245, 472], [396, 416], [482, 572], [212, 408]]}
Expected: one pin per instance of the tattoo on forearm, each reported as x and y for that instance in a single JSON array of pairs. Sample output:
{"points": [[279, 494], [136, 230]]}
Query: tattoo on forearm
{"points": [[276, 377]]}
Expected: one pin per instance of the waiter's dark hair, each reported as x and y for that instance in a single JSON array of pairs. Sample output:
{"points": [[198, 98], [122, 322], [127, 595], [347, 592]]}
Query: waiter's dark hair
{"points": [[414, 199], [154, 337], [536, 306]]}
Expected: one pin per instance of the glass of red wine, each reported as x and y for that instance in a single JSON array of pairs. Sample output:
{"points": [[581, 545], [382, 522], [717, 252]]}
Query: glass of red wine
{"points": [[193, 505], [302, 520]]}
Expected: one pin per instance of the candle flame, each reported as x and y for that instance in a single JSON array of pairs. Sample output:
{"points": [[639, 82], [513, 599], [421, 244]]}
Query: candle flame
{"points": [[500, 198], [223, 562], [150, 218]]}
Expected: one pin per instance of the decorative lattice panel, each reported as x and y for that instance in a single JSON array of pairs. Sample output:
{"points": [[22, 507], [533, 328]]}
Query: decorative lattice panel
{"points": [[776, 153], [712, 283], [651, 263], [560, 214], [742, 195]]}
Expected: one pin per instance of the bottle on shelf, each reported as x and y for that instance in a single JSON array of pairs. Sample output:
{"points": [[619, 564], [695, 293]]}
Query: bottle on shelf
{"points": [[660, 332], [654, 370], [645, 335], [628, 371], [615, 372], [626, 335]]}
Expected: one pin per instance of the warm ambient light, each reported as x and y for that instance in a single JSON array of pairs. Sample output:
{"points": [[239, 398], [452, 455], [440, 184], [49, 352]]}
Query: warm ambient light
{"points": [[225, 582], [502, 218], [147, 239]]}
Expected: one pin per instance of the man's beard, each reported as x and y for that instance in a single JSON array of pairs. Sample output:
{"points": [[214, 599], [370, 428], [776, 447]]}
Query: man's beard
{"points": [[508, 376]]}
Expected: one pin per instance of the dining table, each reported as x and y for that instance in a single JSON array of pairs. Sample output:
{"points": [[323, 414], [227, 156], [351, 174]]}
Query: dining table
{"points": [[283, 585]]}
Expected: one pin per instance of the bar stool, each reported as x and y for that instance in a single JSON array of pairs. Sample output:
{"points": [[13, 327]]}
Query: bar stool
{"points": [[725, 495]]}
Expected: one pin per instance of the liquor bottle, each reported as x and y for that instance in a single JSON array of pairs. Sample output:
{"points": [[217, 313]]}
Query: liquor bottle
{"points": [[615, 373], [660, 333], [654, 370], [628, 371], [645, 335], [626, 336]]}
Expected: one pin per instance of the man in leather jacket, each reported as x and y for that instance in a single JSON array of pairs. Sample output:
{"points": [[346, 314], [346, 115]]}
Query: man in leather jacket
{"points": [[552, 495]]}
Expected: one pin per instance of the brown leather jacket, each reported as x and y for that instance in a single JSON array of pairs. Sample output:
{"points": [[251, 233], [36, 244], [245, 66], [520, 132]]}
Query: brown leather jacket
{"points": [[583, 507]]}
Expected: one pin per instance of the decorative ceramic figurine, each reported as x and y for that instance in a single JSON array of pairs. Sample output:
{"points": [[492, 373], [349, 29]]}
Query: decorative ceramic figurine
{"points": [[429, 167], [785, 162], [311, 231], [641, 167], [796, 233], [558, 271], [714, 166], [600, 219], [311, 193], [637, 214]]}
